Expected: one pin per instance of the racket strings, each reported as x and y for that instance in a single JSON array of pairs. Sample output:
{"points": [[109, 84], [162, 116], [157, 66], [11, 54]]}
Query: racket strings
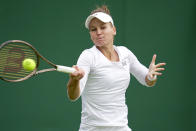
{"points": [[11, 58]]}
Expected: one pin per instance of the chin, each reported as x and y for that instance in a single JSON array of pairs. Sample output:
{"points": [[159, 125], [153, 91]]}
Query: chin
{"points": [[99, 44]]}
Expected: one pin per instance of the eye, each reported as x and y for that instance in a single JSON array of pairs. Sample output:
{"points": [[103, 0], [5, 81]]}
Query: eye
{"points": [[93, 29], [103, 27]]}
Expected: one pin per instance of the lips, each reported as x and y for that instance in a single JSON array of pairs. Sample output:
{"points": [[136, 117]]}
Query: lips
{"points": [[100, 39]]}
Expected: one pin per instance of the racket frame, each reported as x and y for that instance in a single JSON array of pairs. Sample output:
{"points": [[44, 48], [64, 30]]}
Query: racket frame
{"points": [[38, 55]]}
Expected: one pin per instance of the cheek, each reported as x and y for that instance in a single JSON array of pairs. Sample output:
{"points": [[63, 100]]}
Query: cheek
{"points": [[93, 37], [109, 36]]}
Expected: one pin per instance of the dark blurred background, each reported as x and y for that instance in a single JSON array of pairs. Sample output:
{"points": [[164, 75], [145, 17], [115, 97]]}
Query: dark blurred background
{"points": [[56, 29]]}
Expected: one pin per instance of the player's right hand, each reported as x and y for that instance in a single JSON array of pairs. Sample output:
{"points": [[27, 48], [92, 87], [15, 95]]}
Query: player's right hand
{"points": [[78, 74]]}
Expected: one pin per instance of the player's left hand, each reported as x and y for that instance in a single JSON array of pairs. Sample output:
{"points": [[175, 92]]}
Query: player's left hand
{"points": [[154, 69]]}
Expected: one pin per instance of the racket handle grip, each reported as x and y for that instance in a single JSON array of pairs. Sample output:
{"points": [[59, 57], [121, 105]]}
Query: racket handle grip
{"points": [[65, 69]]}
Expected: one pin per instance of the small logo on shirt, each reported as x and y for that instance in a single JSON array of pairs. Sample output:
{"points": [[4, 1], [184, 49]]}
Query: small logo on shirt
{"points": [[124, 63]]}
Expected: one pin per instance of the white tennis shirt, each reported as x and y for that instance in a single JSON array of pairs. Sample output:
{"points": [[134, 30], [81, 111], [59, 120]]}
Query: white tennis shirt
{"points": [[104, 85]]}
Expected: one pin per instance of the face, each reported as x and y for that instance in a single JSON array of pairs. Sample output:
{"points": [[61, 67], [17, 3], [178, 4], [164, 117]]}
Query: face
{"points": [[102, 34]]}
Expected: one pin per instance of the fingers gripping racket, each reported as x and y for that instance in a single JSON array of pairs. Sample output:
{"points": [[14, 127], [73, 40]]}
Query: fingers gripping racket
{"points": [[14, 52]]}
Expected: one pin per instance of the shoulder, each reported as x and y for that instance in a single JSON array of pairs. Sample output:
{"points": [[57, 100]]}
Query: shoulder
{"points": [[87, 53], [124, 50], [87, 56]]}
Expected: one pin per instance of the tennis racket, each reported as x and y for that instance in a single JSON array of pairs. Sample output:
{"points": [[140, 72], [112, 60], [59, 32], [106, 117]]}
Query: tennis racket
{"points": [[12, 54]]}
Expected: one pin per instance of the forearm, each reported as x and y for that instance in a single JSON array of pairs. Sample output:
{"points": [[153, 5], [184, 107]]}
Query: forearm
{"points": [[73, 89]]}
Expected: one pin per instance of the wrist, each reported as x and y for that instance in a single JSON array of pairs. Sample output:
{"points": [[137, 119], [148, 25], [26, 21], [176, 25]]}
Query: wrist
{"points": [[151, 78]]}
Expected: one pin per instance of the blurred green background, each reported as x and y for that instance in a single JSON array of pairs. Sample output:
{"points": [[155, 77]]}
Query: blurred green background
{"points": [[56, 29]]}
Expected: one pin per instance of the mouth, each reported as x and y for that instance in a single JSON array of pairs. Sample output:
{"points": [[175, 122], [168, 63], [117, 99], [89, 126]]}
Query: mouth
{"points": [[100, 39]]}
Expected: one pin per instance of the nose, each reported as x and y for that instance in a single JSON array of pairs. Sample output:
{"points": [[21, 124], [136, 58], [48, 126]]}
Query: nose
{"points": [[99, 31]]}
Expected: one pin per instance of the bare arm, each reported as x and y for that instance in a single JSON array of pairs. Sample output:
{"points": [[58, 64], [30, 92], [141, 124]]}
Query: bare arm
{"points": [[73, 86], [153, 72]]}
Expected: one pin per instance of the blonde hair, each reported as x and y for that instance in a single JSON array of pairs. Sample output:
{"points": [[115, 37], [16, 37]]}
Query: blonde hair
{"points": [[102, 8]]}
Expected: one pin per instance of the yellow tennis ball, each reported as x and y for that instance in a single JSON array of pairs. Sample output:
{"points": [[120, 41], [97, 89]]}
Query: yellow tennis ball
{"points": [[29, 64]]}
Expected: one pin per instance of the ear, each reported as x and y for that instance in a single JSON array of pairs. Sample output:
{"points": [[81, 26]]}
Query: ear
{"points": [[114, 30]]}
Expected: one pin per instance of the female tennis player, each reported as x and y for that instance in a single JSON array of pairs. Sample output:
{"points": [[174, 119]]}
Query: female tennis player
{"points": [[103, 76]]}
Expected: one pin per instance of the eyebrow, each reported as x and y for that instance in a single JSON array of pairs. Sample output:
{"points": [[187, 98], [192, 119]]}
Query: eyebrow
{"points": [[95, 27]]}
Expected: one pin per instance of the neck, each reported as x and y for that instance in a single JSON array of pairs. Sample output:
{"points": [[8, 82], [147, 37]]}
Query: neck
{"points": [[109, 52]]}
